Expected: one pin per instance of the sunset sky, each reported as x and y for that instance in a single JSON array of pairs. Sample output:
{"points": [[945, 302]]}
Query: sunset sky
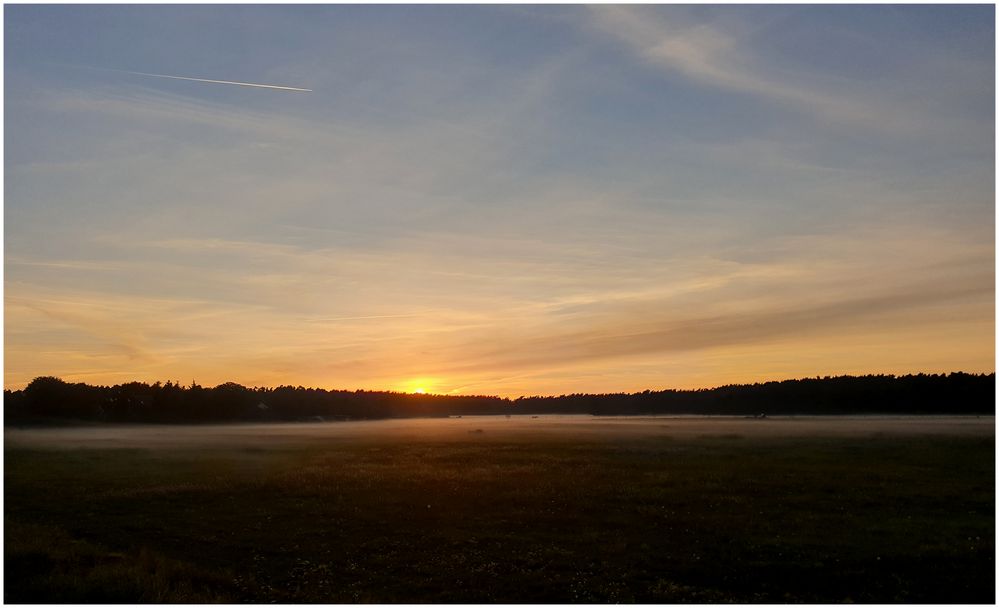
{"points": [[498, 199]]}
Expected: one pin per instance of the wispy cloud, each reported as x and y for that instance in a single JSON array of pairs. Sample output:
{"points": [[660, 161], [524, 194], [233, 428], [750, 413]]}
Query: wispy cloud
{"points": [[84, 265], [624, 338], [710, 54], [144, 105]]}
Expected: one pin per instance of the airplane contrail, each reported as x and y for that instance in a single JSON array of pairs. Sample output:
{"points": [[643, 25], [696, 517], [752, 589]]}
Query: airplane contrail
{"points": [[241, 84]]}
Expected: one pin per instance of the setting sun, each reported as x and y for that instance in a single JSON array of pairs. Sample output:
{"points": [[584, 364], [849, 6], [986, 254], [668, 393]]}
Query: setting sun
{"points": [[421, 385]]}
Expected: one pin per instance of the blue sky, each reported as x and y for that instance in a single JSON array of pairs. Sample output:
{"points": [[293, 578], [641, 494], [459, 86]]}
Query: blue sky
{"points": [[498, 199]]}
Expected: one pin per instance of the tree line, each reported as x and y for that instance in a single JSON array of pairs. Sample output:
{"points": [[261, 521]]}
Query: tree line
{"points": [[49, 400]]}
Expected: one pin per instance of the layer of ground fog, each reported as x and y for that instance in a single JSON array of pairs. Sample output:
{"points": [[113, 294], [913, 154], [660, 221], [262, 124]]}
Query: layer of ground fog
{"points": [[495, 509]]}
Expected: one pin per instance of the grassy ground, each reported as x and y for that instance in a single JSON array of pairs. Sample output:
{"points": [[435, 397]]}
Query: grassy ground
{"points": [[658, 516]]}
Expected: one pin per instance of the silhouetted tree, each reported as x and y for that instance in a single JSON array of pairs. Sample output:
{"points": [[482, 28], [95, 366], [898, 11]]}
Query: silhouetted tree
{"points": [[50, 398]]}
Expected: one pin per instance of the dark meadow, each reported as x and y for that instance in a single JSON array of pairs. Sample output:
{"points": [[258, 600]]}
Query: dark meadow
{"points": [[511, 508]]}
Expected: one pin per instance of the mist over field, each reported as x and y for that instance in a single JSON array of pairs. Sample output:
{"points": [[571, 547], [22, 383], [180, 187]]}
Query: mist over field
{"points": [[495, 509], [568, 428]]}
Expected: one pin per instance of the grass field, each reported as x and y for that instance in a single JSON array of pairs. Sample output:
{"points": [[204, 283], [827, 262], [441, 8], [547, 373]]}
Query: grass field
{"points": [[493, 510]]}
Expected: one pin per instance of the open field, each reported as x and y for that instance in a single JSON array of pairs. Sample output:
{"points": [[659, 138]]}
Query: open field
{"points": [[489, 509]]}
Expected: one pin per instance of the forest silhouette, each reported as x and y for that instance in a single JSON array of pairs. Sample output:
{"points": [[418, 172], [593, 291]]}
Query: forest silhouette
{"points": [[50, 400]]}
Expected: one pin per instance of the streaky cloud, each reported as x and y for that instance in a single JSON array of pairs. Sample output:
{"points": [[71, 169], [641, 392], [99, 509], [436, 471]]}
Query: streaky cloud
{"points": [[190, 78], [710, 54], [232, 82], [625, 338]]}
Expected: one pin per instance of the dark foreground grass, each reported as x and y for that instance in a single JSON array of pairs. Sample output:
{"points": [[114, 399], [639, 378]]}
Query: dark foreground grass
{"points": [[473, 519]]}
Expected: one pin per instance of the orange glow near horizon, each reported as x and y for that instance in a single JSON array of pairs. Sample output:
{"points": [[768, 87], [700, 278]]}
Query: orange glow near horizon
{"points": [[730, 212], [778, 321]]}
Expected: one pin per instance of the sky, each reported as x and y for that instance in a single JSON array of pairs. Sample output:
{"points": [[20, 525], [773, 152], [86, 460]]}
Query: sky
{"points": [[500, 199]]}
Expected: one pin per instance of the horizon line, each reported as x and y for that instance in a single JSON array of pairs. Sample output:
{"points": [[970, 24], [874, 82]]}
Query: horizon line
{"points": [[580, 394]]}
